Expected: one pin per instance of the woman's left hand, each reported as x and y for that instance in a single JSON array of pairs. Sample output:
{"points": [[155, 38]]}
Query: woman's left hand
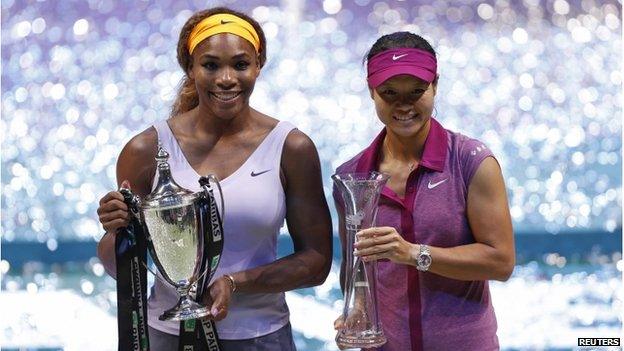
{"points": [[383, 242]]}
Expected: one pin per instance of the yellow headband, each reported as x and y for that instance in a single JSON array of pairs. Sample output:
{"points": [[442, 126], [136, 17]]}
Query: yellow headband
{"points": [[223, 23]]}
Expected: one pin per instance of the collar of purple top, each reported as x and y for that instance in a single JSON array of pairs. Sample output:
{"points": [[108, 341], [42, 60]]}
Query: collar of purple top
{"points": [[434, 153]]}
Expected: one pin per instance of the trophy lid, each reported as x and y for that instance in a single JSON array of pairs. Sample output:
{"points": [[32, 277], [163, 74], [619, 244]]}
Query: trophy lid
{"points": [[167, 192]]}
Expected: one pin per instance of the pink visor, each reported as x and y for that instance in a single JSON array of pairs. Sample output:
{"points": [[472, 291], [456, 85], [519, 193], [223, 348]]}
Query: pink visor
{"points": [[387, 64]]}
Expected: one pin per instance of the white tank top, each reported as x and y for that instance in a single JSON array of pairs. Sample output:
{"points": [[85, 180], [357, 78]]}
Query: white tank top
{"points": [[255, 208]]}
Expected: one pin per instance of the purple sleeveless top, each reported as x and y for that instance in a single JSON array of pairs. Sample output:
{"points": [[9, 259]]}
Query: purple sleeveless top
{"points": [[423, 310], [255, 208]]}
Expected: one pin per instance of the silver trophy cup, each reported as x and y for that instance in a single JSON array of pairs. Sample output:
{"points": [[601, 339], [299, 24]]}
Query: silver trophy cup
{"points": [[177, 228]]}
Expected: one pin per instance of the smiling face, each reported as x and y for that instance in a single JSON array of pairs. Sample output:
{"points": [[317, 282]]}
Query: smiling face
{"points": [[404, 104], [224, 69]]}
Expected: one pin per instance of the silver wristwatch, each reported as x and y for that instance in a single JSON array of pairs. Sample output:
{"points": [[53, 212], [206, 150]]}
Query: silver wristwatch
{"points": [[423, 258]]}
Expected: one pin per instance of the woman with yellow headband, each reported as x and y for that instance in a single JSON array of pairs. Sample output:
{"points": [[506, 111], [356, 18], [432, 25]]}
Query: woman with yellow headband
{"points": [[269, 172]]}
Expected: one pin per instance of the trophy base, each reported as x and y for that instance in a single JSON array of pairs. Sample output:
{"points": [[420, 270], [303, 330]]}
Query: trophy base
{"points": [[363, 339], [185, 309]]}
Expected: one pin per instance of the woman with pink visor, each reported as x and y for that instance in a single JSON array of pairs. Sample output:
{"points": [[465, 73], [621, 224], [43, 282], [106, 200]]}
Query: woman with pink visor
{"points": [[443, 223]]}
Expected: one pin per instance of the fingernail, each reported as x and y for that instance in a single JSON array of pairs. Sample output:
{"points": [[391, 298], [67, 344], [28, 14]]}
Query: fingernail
{"points": [[214, 311]]}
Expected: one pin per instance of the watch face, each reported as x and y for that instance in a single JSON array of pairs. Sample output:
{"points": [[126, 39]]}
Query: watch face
{"points": [[424, 261]]}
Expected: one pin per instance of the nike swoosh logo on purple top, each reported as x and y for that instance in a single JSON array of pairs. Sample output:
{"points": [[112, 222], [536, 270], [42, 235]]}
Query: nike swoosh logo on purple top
{"points": [[254, 174], [433, 185]]}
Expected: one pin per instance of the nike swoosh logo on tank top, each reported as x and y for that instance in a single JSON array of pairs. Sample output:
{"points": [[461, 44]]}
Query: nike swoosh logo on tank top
{"points": [[254, 174]]}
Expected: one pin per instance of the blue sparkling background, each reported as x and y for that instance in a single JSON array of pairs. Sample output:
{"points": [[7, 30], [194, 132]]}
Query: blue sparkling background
{"points": [[539, 82]]}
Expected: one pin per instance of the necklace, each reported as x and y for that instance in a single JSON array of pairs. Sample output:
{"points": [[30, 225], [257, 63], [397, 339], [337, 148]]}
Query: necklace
{"points": [[410, 167]]}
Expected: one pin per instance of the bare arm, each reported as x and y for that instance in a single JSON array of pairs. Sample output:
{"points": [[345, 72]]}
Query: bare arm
{"points": [[490, 257], [135, 167], [309, 224]]}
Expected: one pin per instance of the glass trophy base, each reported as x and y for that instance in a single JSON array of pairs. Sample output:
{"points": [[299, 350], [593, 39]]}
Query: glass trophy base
{"points": [[187, 309], [363, 339]]}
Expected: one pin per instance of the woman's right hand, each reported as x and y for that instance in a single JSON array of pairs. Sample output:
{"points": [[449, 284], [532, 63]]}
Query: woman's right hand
{"points": [[218, 298], [113, 211]]}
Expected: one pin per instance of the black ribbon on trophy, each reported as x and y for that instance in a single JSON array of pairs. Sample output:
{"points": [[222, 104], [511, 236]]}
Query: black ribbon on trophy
{"points": [[190, 333], [173, 206]]}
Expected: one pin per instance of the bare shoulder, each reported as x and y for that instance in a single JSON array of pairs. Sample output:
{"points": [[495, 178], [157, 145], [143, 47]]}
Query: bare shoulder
{"points": [[142, 144], [300, 160], [299, 144], [302, 167]]}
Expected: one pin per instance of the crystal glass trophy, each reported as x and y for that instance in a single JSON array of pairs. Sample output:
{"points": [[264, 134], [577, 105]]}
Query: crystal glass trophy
{"points": [[360, 194], [180, 226]]}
